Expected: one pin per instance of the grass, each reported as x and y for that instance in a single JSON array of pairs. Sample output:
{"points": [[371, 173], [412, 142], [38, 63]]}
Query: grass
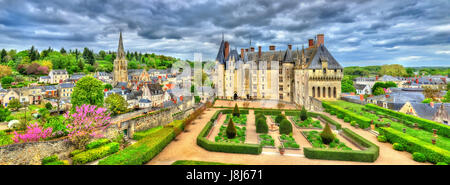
{"points": [[142, 134], [191, 162], [316, 141], [241, 120], [222, 135]]}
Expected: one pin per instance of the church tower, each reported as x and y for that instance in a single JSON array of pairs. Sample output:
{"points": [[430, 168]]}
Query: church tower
{"points": [[120, 64]]}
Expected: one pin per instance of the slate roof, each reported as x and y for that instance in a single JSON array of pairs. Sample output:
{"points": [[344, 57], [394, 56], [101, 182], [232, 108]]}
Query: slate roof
{"points": [[58, 71], [320, 54], [221, 55], [424, 110], [143, 100], [360, 86], [400, 97], [388, 78], [66, 85], [45, 77]]}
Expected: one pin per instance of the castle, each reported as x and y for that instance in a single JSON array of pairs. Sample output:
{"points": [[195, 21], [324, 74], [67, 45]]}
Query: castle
{"points": [[303, 77]]}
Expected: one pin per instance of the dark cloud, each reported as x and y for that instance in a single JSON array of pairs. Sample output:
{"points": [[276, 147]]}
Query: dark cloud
{"points": [[164, 25]]}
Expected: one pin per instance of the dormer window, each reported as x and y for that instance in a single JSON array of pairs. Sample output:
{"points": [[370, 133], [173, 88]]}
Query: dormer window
{"points": [[324, 71]]}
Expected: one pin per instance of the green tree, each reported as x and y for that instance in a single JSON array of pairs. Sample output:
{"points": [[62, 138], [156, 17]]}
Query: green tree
{"points": [[87, 90], [393, 70], [231, 130], [14, 104], [303, 114], [261, 125], [116, 104], [327, 135], [6, 81], [279, 118], [347, 85], [382, 85], [48, 106], [285, 127], [108, 86], [4, 112], [236, 111], [446, 97], [378, 91]]}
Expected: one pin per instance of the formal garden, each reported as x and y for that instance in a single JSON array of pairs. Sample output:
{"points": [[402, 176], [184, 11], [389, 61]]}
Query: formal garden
{"points": [[426, 140]]}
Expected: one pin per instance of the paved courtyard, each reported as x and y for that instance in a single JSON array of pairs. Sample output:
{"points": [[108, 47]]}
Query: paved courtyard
{"points": [[186, 148]]}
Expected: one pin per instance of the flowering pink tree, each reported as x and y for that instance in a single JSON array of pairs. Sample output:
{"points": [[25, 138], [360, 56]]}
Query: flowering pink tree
{"points": [[86, 123], [34, 133]]}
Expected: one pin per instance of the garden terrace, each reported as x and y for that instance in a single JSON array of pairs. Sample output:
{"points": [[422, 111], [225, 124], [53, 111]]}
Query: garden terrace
{"points": [[308, 123], [241, 120], [316, 141], [222, 135], [403, 124]]}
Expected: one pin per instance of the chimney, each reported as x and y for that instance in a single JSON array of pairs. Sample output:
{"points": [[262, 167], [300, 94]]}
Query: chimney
{"points": [[227, 49], [242, 52], [252, 49], [290, 46], [320, 39], [259, 51], [432, 104], [376, 78], [272, 48], [246, 49], [310, 43]]}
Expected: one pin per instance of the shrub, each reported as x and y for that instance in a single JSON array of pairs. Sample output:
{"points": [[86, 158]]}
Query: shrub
{"points": [[340, 116], [441, 163], [236, 111], [96, 153], [261, 126], [279, 118], [75, 152], [332, 112], [142, 134], [353, 123], [419, 157], [63, 162], [382, 138], [231, 130], [49, 159], [398, 146], [347, 119], [327, 135], [97, 143], [303, 114], [285, 127]]}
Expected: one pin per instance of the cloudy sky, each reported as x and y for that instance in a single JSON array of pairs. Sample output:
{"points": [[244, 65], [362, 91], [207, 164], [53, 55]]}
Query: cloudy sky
{"points": [[357, 32]]}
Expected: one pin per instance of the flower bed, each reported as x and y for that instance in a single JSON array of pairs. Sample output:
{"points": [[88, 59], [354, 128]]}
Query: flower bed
{"points": [[266, 140], [222, 135], [288, 142], [316, 141], [308, 123], [241, 120]]}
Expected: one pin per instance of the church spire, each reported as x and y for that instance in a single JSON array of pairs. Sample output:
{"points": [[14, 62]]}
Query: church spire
{"points": [[120, 51]]}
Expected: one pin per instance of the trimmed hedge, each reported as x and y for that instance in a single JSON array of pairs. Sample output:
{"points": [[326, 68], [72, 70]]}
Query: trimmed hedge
{"points": [[230, 111], [368, 155], [145, 149], [49, 159], [142, 134], [442, 129], [433, 153], [64, 162], [342, 113], [225, 147], [97, 143], [326, 118], [96, 153], [419, 157], [268, 112]]}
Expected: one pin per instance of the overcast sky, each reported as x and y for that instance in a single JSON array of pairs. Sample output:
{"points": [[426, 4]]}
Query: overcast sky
{"points": [[357, 32]]}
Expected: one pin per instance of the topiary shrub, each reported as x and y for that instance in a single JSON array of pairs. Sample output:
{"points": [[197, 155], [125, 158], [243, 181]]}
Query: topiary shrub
{"points": [[332, 112], [285, 127], [382, 138], [419, 157], [353, 123], [441, 163], [340, 116], [398, 146], [347, 119], [303, 114], [231, 130], [279, 118], [327, 135], [236, 111], [261, 126]]}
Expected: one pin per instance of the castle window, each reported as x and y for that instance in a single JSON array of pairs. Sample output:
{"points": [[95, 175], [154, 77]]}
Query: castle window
{"points": [[324, 71], [318, 92], [329, 92], [334, 92], [314, 92], [335, 70], [324, 94], [314, 70]]}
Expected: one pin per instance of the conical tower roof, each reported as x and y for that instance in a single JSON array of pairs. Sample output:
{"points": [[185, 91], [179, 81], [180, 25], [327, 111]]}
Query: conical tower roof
{"points": [[120, 51]]}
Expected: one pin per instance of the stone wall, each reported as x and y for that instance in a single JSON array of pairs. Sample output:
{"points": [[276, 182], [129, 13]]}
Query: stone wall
{"points": [[33, 153]]}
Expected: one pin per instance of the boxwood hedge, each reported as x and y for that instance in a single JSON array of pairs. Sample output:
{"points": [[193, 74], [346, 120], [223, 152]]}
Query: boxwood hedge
{"points": [[97, 143], [362, 121], [368, 155], [96, 153], [433, 153], [425, 124], [225, 147]]}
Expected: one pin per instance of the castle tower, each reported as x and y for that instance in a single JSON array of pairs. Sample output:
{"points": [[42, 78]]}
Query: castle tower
{"points": [[120, 64]]}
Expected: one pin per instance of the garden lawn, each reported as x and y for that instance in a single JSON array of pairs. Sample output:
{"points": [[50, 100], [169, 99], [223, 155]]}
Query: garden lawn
{"points": [[222, 135], [316, 141]]}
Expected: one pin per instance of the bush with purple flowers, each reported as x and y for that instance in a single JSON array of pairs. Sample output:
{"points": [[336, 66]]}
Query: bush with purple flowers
{"points": [[34, 132]]}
